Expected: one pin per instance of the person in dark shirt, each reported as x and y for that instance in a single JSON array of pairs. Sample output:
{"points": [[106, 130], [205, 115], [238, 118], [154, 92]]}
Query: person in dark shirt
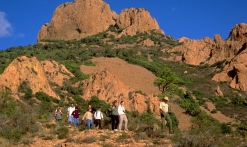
{"points": [[114, 115], [76, 115]]}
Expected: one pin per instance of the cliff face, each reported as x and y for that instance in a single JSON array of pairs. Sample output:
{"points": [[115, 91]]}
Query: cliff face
{"points": [[84, 18]]}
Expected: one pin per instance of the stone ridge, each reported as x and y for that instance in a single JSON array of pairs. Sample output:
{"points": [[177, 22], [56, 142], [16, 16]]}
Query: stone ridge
{"points": [[210, 51], [84, 18]]}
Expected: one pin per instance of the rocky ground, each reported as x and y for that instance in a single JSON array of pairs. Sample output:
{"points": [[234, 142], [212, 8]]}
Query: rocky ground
{"points": [[101, 138]]}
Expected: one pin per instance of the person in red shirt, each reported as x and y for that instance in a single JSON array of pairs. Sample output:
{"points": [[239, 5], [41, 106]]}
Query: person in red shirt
{"points": [[76, 115]]}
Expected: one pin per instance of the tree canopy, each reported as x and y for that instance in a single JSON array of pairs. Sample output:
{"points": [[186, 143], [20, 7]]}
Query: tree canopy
{"points": [[166, 78]]}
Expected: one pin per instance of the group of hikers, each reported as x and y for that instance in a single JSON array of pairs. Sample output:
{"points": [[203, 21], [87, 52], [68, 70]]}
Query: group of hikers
{"points": [[116, 113]]}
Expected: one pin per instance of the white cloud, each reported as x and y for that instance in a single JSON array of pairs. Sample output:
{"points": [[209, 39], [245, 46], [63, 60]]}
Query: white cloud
{"points": [[5, 26]]}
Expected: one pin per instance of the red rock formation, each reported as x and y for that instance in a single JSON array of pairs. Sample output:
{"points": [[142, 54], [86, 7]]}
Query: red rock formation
{"points": [[26, 69], [218, 92], [211, 51], [235, 72], [147, 42], [88, 17], [238, 33], [136, 20], [77, 20], [194, 51]]}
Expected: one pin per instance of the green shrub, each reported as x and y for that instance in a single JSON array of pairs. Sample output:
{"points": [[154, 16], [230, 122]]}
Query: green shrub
{"points": [[62, 132], [34, 128], [75, 69], [190, 105], [11, 133], [89, 139], [122, 137], [236, 99], [225, 129], [95, 103], [43, 97]]}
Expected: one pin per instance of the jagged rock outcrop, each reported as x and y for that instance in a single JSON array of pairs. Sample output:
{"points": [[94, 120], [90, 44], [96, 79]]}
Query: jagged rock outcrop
{"points": [[84, 18], [235, 73], [218, 92], [29, 70], [147, 42], [238, 33], [108, 88], [136, 20], [210, 51], [77, 20], [194, 51]]}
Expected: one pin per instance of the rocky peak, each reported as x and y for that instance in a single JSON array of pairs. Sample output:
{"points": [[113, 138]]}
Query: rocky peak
{"points": [[238, 33], [217, 38], [84, 18], [135, 20], [77, 20]]}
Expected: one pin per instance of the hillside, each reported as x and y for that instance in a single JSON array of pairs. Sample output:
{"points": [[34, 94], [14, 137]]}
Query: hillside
{"points": [[123, 57], [137, 78]]}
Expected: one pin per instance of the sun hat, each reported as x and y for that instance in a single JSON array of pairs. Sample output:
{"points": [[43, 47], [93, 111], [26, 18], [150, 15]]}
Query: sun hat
{"points": [[166, 98]]}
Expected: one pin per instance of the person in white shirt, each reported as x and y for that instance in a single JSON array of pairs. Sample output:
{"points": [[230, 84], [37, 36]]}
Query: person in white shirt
{"points": [[122, 117], [164, 108], [98, 115], [69, 113]]}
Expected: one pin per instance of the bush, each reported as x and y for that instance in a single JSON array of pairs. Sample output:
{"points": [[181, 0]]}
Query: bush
{"points": [[89, 139], [11, 133], [236, 99], [62, 132], [190, 105], [225, 129], [43, 97]]}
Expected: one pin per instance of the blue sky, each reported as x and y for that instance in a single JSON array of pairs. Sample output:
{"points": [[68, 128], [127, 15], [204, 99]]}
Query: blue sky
{"points": [[20, 21]]}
